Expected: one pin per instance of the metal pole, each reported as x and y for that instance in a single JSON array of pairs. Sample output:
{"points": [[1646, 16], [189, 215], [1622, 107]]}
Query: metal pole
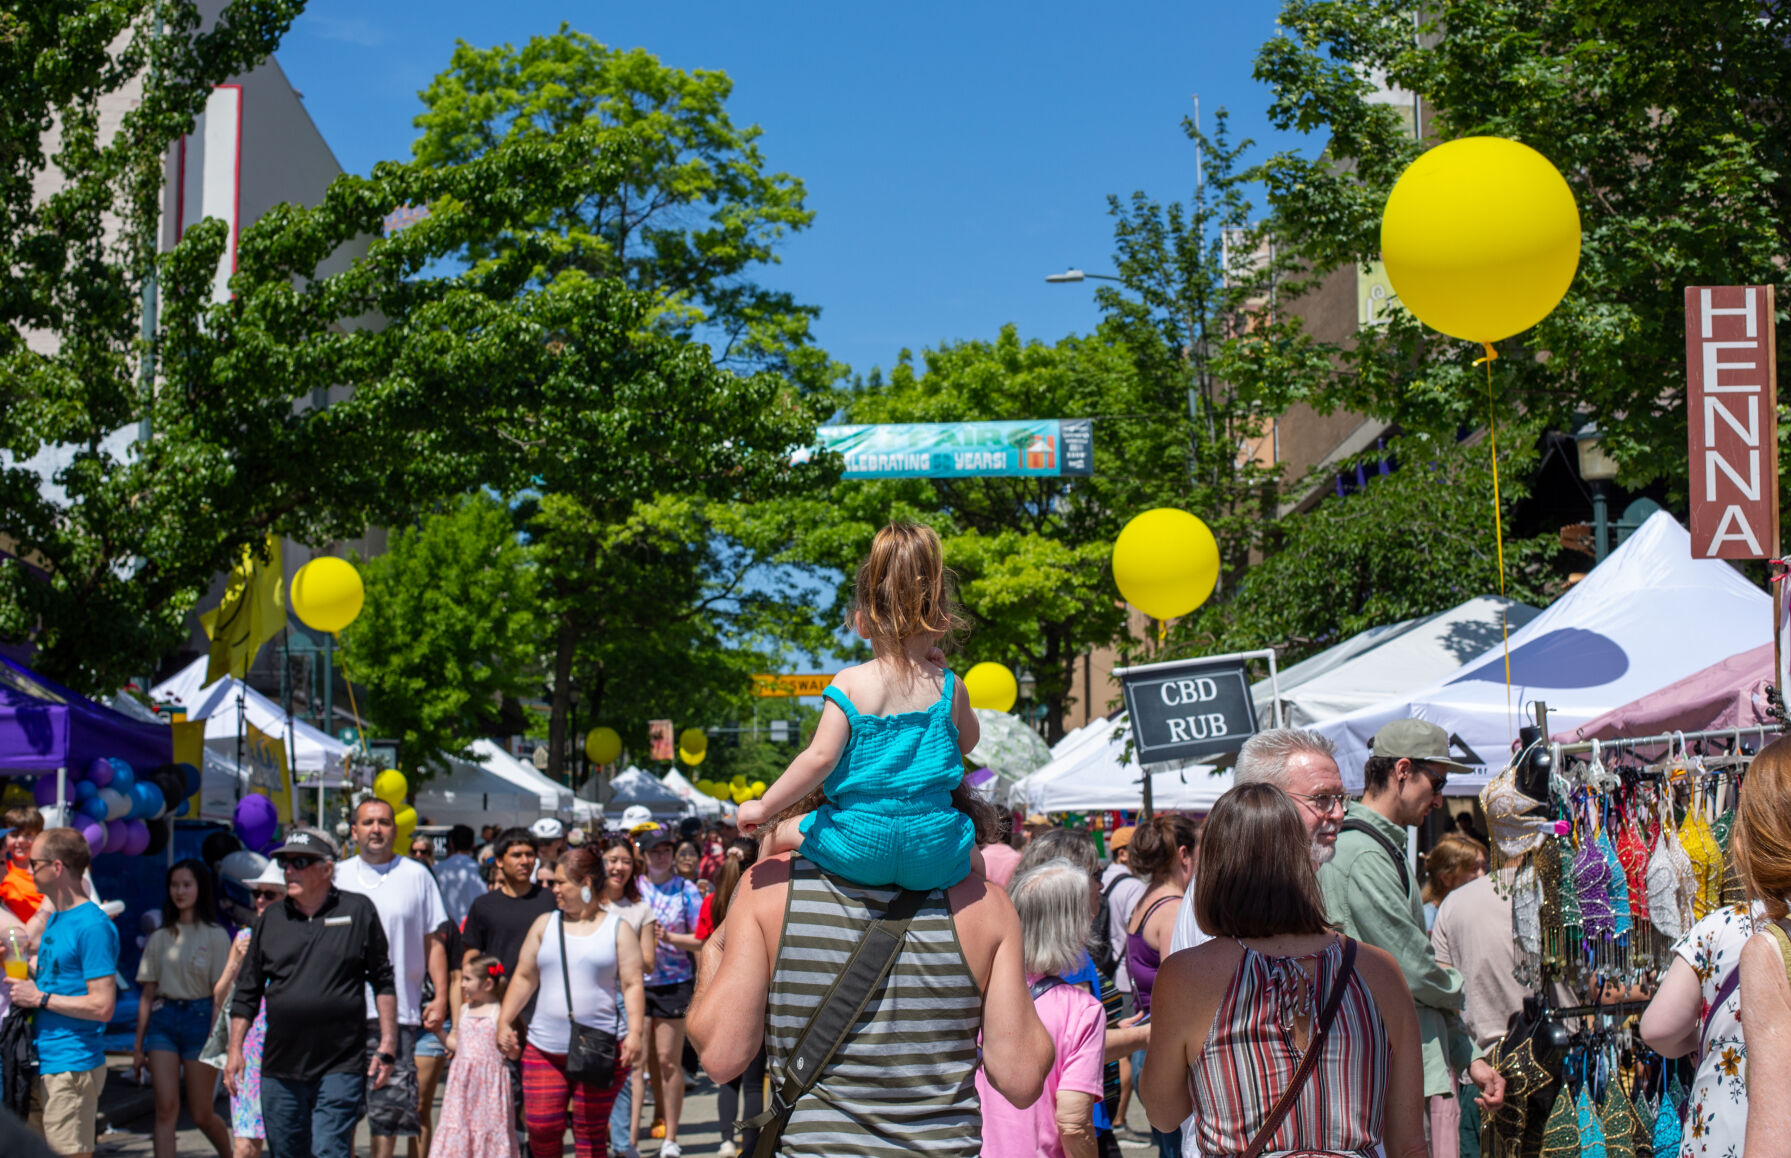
{"points": [[1601, 525], [1275, 687]]}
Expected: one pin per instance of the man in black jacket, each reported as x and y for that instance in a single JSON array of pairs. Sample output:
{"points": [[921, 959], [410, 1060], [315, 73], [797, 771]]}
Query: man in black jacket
{"points": [[310, 958]]}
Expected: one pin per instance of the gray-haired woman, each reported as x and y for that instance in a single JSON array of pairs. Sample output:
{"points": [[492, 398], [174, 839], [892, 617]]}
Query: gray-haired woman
{"points": [[1052, 900]]}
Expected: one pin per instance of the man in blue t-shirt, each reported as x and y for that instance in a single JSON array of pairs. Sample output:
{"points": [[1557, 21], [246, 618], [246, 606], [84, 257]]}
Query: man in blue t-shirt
{"points": [[74, 993]]}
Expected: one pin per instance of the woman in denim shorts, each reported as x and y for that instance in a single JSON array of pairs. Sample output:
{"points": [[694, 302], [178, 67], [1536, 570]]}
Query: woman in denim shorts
{"points": [[181, 964]]}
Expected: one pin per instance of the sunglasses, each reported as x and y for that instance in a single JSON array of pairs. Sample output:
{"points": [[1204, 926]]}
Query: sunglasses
{"points": [[268, 894], [298, 863]]}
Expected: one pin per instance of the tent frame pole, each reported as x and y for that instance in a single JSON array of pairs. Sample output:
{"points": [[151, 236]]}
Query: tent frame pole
{"points": [[1761, 730]]}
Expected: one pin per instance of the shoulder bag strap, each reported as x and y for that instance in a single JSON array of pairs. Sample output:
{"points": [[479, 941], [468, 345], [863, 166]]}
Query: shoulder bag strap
{"points": [[1045, 985], [565, 964], [1398, 857], [1320, 1030], [1723, 993], [834, 1017]]}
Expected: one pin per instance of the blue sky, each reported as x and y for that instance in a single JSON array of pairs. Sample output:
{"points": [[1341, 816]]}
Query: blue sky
{"points": [[954, 154]]}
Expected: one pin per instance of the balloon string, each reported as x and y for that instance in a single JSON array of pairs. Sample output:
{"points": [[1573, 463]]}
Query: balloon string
{"points": [[1492, 430], [360, 732]]}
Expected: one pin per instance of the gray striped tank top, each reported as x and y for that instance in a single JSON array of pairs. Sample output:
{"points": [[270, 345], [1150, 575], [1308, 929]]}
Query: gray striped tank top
{"points": [[903, 1082]]}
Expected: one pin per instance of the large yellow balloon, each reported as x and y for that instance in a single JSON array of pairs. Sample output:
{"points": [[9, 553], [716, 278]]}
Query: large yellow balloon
{"points": [[603, 745], [990, 685], [1481, 238], [327, 594], [691, 758], [693, 740], [391, 787], [1166, 563], [406, 820]]}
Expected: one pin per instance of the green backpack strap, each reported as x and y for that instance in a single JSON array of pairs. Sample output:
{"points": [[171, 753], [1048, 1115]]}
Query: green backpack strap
{"points": [[839, 1010]]}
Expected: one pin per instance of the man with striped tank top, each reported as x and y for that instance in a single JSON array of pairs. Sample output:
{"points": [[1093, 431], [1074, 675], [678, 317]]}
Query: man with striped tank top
{"points": [[903, 1081]]}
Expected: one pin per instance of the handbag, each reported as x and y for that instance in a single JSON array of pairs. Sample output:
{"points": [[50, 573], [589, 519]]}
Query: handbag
{"points": [[216, 1050], [1320, 1030], [590, 1053]]}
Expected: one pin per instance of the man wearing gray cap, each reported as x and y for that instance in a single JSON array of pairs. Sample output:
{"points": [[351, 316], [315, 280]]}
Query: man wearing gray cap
{"points": [[1372, 895], [310, 957]]}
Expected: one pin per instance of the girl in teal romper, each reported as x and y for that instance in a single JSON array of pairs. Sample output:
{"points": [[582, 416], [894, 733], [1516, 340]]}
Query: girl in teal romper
{"points": [[889, 748]]}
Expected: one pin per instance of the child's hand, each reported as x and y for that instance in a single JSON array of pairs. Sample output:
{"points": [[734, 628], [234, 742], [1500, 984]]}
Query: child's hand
{"points": [[751, 814]]}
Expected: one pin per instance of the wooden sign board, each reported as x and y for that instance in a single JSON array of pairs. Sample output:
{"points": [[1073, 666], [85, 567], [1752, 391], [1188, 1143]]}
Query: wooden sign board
{"points": [[1731, 409]]}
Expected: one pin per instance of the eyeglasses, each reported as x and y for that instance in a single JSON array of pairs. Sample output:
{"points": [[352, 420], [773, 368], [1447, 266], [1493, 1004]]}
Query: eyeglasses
{"points": [[298, 863], [35, 861], [1325, 803], [268, 895]]}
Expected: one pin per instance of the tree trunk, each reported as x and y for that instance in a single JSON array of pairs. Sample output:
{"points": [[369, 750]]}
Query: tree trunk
{"points": [[562, 703]]}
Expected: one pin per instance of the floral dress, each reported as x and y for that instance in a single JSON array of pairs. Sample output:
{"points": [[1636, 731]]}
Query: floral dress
{"points": [[476, 1115], [1716, 1104], [245, 1103]]}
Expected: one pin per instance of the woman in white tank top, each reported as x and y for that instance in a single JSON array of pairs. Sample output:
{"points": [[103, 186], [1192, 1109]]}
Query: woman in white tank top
{"points": [[602, 971]]}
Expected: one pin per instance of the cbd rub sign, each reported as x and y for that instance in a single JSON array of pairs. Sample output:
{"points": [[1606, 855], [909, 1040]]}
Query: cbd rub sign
{"points": [[1188, 711], [1731, 408]]}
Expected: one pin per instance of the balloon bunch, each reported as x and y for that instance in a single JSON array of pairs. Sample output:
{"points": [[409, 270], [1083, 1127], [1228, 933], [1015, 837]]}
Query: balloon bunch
{"points": [[392, 787], [118, 809], [738, 789]]}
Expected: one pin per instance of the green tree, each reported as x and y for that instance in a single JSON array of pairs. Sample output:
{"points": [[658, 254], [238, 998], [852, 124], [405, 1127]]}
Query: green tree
{"points": [[450, 630], [1668, 122], [1031, 555], [693, 216]]}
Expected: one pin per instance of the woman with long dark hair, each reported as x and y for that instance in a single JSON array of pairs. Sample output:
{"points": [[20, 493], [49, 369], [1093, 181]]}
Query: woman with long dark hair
{"points": [[182, 962], [1241, 1021]]}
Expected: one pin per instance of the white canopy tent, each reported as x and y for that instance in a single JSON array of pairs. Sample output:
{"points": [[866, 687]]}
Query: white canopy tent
{"points": [[636, 787], [1375, 665], [495, 788], [1094, 773], [1649, 615], [705, 805], [528, 778], [222, 705]]}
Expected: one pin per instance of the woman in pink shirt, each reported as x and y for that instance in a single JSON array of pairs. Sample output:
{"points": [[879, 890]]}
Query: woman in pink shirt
{"points": [[1052, 900]]}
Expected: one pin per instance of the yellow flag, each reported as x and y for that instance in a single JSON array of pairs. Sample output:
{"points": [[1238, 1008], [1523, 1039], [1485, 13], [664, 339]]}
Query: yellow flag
{"points": [[252, 612], [264, 757]]}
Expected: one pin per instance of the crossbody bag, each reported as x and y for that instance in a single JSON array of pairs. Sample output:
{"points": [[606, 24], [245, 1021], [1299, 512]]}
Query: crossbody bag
{"points": [[590, 1053], [1321, 1029], [838, 1011]]}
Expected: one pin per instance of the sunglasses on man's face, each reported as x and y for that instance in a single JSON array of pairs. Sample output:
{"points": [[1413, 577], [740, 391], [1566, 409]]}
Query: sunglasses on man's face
{"points": [[299, 863], [268, 894]]}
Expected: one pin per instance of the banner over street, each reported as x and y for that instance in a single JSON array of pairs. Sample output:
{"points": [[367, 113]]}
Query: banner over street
{"points": [[1043, 447]]}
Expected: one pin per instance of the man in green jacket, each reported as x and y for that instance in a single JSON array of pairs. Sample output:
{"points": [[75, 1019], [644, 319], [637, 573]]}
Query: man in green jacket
{"points": [[1372, 894]]}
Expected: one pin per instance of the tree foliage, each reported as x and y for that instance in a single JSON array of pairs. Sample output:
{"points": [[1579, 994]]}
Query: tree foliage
{"points": [[450, 629]]}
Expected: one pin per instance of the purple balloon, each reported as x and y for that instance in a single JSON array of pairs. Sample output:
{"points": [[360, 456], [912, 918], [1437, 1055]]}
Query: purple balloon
{"points": [[255, 820], [95, 832], [136, 837], [43, 790], [117, 832], [99, 772]]}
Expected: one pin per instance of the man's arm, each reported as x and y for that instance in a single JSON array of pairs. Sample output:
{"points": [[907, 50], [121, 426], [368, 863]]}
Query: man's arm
{"points": [[97, 1004], [733, 984], [1383, 918], [435, 957]]}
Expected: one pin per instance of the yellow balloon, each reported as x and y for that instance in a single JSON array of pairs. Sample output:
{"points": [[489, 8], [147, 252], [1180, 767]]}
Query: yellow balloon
{"points": [[757, 789], [1166, 563], [406, 820], [693, 740], [327, 594], [1481, 238], [991, 685], [691, 758], [391, 787], [738, 780], [603, 745]]}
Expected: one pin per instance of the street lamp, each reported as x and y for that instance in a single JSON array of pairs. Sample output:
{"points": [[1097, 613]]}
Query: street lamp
{"points": [[1597, 468], [1073, 275]]}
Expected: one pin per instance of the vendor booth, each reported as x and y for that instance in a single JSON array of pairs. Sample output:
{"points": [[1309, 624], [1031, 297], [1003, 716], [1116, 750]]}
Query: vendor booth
{"points": [[45, 726], [1649, 615], [1097, 773], [229, 704]]}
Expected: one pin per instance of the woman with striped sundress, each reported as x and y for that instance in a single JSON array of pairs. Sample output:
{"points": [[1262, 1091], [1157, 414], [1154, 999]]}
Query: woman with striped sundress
{"points": [[1233, 1019]]}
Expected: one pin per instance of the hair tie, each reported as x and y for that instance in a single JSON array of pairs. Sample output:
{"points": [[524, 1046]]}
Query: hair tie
{"points": [[495, 970]]}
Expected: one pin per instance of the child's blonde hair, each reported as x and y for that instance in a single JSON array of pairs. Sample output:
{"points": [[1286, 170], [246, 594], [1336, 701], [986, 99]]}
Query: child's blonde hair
{"points": [[902, 589]]}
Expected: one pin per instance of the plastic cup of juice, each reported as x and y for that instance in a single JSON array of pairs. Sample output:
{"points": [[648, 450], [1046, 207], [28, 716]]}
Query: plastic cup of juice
{"points": [[15, 969]]}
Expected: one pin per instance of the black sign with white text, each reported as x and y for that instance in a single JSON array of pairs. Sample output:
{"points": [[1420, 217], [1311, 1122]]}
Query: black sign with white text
{"points": [[1197, 710]]}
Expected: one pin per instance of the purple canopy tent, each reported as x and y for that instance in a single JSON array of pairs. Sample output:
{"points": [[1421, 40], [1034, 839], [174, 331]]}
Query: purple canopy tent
{"points": [[44, 726], [1729, 694]]}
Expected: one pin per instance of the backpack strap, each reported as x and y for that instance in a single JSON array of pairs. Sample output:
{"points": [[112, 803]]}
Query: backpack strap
{"points": [[1045, 985], [835, 1015], [1397, 857]]}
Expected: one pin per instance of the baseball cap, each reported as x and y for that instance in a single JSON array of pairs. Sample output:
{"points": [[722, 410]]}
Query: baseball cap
{"points": [[1121, 837], [310, 842], [1417, 740], [548, 828], [655, 836], [636, 815]]}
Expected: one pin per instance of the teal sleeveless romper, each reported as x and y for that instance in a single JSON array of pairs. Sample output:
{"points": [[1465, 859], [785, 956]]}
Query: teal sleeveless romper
{"points": [[888, 819]]}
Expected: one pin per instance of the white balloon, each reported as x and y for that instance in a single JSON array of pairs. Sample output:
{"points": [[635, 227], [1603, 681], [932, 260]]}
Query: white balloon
{"points": [[118, 805]]}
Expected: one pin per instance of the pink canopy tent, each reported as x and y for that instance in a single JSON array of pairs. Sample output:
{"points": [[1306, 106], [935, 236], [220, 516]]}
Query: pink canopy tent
{"points": [[1730, 694]]}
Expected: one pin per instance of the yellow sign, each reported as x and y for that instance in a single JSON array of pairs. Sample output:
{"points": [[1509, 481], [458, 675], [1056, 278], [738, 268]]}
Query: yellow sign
{"points": [[264, 757], [786, 686]]}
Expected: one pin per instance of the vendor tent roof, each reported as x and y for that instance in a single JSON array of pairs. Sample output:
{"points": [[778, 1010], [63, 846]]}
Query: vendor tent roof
{"points": [[1729, 694], [1382, 662], [1648, 615], [45, 726], [636, 787], [1094, 774], [313, 749], [488, 789], [680, 784]]}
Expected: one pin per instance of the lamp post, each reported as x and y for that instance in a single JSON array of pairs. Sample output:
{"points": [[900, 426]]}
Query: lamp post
{"points": [[1029, 684], [1074, 275], [1597, 468]]}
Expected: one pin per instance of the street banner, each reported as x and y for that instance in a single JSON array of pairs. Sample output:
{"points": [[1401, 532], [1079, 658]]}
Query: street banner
{"points": [[1043, 447], [1196, 709], [789, 686], [1731, 409], [264, 759], [660, 742]]}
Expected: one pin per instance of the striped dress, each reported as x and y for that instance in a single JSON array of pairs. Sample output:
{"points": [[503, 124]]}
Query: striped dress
{"points": [[903, 1082], [1249, 1059]]}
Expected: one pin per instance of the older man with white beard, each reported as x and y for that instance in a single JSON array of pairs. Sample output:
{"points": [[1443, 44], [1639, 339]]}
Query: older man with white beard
{"points": [[1303, 765]]}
